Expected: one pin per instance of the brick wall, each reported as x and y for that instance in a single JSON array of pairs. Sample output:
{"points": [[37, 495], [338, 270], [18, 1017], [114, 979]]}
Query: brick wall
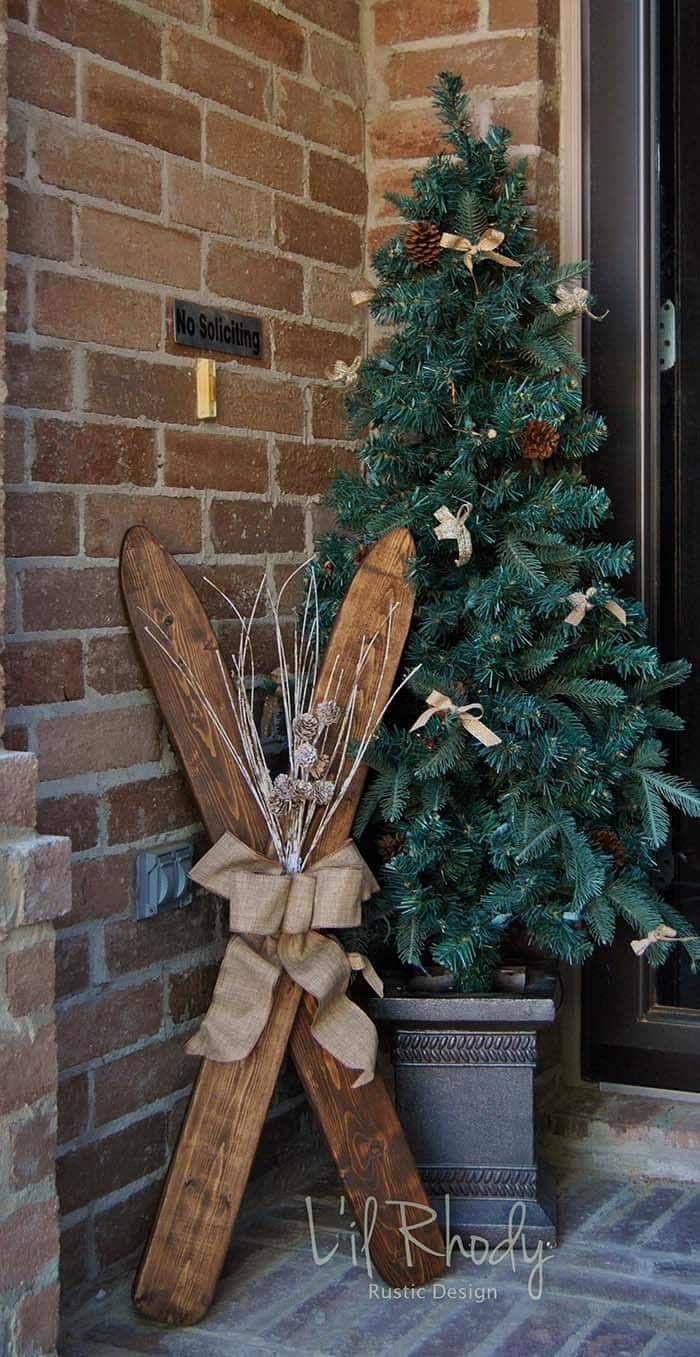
{"points": [[211, 151], [508, 54]]}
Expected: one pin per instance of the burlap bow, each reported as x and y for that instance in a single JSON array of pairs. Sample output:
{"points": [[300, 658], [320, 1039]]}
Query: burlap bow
{"points": [[662, 933], [486, 244], [280, 913], [437, 703], [453, 527], [573, 301], [583, 604], [345, 374]]}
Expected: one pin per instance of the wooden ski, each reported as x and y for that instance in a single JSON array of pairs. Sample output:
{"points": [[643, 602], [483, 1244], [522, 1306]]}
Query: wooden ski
{"points": [[210, 1167]]}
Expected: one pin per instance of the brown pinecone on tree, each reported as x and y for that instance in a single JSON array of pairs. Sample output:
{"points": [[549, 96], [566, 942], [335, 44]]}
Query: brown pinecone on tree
{"points": [[389, 845], [540, 440], [422, 242], [608, 842]]}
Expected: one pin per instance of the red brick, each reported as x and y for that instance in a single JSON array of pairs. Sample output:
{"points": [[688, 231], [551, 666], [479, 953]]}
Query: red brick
{"points": [[35, 879], [247, 401], [15, 430], [201, 461], [73, 1259], [379, 236], [85, 161], [190, 10], [43, 671], [407, 20], [74, 815], [113, 665], [40, 74], [216, 73], [319, 235], [315, 115], [254, 153], [18, 779], [328, 415], [30, 979], [39, 378], [71, 307], [136, 389], [263, 642], [16, 151], [28, 1240], [130, 1083], [145, 113], [38, 225], [251, 527], [37, 1320], [132, 944], [177, 522], [334, 182], [341, 17], [239, 582], [19, 10], [139, 249], [212, 203], [492, 63], [337, 67], [89, 1029], [16, 737], [93, 741], [111, 30], [530, 121], [309, 350], [514, 13], [123, 1228], [41, 525], [190, 991], [57, 600], [28, 1069], [32, 1147], [140, 809], [308, 468], [93, 454], [72, 963], [17, 298], [256, 29], [95, 1170], [245, 275], [330, 297], [403, 133], [102, 887], [72, 1107], [390, 181]]}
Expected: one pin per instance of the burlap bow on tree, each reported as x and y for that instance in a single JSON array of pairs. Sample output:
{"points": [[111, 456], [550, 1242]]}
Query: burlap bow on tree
{"points": [[279, 913], [439, 704], [486, 245], [583, 604], [453, 528]]}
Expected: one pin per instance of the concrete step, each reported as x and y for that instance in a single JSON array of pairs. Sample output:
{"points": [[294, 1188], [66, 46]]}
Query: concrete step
{"points": [[643, 1136]]}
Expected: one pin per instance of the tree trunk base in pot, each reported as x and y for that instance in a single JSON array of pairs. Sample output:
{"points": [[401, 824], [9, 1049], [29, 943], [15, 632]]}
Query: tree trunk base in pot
{"points": [[464, 1068]]}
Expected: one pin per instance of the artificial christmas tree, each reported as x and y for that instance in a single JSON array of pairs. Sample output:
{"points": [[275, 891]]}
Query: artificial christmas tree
{"points": [[473, 415]]}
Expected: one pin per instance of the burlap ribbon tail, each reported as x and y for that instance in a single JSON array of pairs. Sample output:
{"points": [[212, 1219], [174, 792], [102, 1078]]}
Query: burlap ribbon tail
{"points": [[276, 917]]}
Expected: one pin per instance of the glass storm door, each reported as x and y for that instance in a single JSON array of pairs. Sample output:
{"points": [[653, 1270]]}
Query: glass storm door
{"points": [[643, 210]]}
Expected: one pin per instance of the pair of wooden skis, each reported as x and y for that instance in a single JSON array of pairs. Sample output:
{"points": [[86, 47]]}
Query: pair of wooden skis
{"points": [[186, 1250]]}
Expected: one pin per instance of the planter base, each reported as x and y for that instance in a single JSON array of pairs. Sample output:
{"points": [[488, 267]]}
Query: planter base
{"points": [[464, 1067]]}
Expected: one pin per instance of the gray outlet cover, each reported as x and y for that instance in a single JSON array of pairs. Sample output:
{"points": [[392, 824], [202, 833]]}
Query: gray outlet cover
{"points": [[161, 880]]}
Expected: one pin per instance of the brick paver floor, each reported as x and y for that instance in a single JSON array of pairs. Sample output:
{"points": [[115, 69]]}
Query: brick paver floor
{"points": [[624, 1281]]}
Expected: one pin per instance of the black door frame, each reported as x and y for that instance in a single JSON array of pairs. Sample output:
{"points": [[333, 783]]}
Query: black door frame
{"points": [[626, 1036]]}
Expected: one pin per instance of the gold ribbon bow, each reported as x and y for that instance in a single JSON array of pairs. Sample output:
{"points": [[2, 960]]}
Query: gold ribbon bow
{"points": [[452, 528], [582, 604], [437, 703], [573, 301], [485, 245], [662, 933], [345, 374], [279, 913]]}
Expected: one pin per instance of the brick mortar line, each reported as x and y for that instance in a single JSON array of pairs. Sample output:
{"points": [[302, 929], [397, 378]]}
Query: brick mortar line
{"points": [[466, 38]]}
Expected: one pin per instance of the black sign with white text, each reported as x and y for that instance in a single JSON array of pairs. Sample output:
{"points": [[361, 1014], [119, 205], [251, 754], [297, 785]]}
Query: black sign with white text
{"points": [[204, 327]]}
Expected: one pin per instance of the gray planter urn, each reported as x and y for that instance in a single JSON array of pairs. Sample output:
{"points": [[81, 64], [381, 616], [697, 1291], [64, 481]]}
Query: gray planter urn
{"points": [[464, 1069]]}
